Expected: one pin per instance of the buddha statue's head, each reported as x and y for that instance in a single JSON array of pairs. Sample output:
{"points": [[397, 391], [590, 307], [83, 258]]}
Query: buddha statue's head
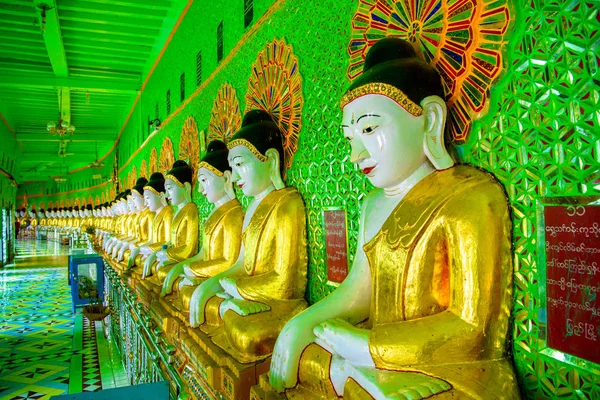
{"points": [[75, 211], [394, 115], [69, 212], [21, 213], [154, 192], [128, 204], [214, 173], [124, 202], [115, 206], [54, 211], [42, 213], [137, 192], [178, 183], [32, 214], [256, 154]]}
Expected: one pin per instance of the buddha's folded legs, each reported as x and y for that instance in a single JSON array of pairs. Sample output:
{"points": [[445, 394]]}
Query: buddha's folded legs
{"points": [[476, 380], [185, 295], [251, 338]]}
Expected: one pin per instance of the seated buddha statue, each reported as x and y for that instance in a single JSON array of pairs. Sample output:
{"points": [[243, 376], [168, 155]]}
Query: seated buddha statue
{"points": [[424, 311], [119, 226], [244, 308], [75, 221], [157, 225], [221, 234], [43, 219], [160, 230], [111, 215], [105, 222], [141, 220], [128, 230], [33, 219], [183, 237], [53, 219]]}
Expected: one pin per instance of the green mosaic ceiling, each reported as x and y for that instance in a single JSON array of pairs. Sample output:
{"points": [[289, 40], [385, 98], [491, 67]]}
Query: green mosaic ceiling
{"points": [[94, 53]]}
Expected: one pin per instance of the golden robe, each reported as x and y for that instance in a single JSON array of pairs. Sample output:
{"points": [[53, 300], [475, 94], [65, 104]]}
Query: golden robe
{"points": [[275, 262], [441, 296], [143, 229], [159, 233], [221, 243], [183, 240]]}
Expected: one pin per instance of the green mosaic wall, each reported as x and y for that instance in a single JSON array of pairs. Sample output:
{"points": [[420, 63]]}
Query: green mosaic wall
{"points": [[540, 138]]}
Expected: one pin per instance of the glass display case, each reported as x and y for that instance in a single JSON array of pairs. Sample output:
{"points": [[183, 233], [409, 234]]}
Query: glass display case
{"points": [[86, 277]]}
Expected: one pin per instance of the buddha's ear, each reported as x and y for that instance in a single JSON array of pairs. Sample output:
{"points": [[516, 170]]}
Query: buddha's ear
{"points": [[274, 160], [228, 183], [434, 112], [188, 191]]}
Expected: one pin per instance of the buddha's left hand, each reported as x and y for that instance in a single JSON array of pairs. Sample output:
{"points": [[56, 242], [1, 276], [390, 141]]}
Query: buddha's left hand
{"points": [[346, 340], [242, 307], [229, 286], [162, 256]]}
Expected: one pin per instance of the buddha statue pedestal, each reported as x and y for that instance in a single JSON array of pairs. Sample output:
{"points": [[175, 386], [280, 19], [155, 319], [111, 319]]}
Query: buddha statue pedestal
{"points": [[221, 371]]}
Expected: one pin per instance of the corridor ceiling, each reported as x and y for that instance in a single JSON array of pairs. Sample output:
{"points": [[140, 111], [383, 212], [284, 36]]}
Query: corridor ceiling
{"points": [[82, 60]]}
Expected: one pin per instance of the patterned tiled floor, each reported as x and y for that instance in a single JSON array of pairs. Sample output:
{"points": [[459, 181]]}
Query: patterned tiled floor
{"points": [[45, 350]]}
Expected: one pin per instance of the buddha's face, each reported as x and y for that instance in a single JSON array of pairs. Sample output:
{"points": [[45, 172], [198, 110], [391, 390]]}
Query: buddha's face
{"points": [[139, 201], [385, 140], [248, 172], [210, 185], [22, 213], [131, 204], [175, 193], [152, 200], [32, 214]]}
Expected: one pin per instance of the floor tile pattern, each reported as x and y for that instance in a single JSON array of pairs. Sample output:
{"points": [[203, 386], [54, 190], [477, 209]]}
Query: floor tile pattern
{"points": [[45, 350], [91, 367]]}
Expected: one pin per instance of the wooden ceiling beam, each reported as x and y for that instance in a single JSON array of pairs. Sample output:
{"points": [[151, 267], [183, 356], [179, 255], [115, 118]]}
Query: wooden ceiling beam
{"points": [[48, 15], [48, 138], [23, 81]]}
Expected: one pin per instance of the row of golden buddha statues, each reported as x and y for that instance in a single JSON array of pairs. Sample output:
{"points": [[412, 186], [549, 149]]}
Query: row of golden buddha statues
{"points": [[425, 308]]}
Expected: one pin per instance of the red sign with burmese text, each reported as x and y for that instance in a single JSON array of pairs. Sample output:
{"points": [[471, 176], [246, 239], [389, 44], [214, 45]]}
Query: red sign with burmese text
{"points": [[336, 245], [573, 279]]}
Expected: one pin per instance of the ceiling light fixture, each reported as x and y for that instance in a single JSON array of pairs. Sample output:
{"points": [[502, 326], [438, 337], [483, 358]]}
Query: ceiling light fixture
{"points": [[61, 128]]}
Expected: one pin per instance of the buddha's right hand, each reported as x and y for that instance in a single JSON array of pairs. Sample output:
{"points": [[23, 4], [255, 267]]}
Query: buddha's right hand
{"points": [[148, 265], [200, 297], [170, 279], [295, 336]]}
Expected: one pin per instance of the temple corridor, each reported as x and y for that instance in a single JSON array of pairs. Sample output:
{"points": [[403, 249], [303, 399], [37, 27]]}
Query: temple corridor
{"points": [[45, 349]]}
